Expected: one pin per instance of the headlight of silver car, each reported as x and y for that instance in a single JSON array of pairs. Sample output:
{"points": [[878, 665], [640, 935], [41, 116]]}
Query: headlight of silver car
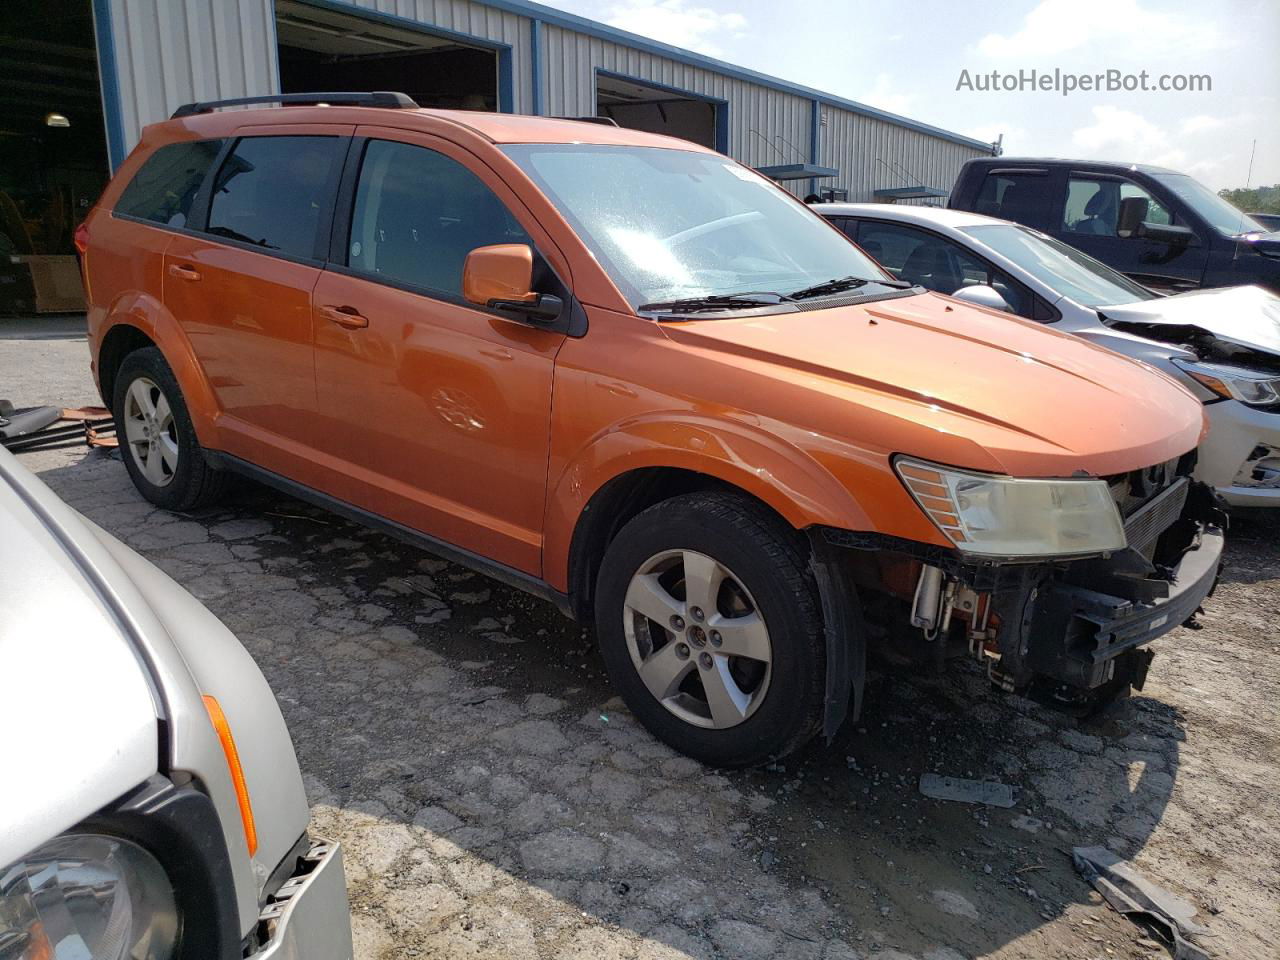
{"points": [[87, 897], [1254, 387], [992, 515]]}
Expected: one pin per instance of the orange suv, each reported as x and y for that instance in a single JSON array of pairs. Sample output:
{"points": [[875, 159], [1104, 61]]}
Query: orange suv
{"points": [[634, 377]]}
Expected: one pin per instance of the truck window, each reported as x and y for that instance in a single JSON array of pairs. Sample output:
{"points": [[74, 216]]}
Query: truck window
{"points": [[1012, 196], [162, 190], [419, 213], [1093, 206], [277, 193]]}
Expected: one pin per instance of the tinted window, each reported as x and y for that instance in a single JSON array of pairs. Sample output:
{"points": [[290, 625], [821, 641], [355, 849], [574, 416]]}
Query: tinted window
{"points": [[1012, 196], [166, 184], [1093, 206], [276, 192], [418, 214], [935, 263]]}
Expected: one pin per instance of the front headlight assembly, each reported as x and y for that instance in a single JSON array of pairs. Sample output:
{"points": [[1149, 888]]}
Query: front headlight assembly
{"points": [[1000, 516], [1254, 387], [87, 897]]}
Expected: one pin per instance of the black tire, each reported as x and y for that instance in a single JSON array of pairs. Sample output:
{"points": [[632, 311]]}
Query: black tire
{"points": [[192, 483], [770, 560]]}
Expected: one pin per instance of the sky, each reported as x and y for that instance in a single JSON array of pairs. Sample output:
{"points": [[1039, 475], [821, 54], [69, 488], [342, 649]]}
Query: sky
{"points": [[908, 56]]}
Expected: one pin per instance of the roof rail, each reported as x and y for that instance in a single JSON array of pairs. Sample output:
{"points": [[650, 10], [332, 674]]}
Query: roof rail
{"points": [[378, 98], [607, 121]]}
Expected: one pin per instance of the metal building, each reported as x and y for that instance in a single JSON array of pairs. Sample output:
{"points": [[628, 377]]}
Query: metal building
{"points": [[80, 78]]}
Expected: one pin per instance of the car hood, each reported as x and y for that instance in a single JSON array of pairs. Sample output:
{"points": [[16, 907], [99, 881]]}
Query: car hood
{"points": [[1034, 402], [76, 704], [1247, 316]]}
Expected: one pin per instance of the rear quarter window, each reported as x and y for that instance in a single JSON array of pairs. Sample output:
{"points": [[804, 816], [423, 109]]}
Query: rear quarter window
{"points": [[163, 189], [1014, 195]]}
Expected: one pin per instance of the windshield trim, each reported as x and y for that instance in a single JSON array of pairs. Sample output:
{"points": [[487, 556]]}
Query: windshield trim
{"points": [[1194, 200]]}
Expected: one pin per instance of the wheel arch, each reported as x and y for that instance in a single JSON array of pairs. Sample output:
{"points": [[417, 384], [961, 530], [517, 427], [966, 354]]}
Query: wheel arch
{"points": [[643, 462], [137, 321]]}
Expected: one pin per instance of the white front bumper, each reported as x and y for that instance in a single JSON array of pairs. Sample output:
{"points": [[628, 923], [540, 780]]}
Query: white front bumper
{"points": [[309, 918], [1236, 430]]}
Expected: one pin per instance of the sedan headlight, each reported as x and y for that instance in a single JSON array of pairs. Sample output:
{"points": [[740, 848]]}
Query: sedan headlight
{"points": [[87, 897], [1253, 387], [1008, 517]]}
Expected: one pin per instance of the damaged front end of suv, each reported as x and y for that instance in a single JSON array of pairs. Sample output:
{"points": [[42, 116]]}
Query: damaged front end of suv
{"points": [[1059, 602]]}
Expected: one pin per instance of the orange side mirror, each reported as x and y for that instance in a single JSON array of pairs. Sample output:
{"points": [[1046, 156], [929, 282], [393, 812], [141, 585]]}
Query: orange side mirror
{"points": [[501, 272]]}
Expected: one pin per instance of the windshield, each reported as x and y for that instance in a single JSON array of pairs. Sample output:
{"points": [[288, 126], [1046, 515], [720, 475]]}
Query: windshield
{"points": [[1222, 216], [673, 224], [1061, 268]]}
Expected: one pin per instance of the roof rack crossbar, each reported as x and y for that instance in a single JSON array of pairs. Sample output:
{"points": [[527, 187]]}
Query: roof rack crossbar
{"points": [[377, 98], [607, 121]]}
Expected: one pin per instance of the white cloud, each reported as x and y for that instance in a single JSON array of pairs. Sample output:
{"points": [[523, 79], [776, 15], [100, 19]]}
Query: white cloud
{"points": [[887, 94], [1124, 26], [1195, 148], [675, 22]]}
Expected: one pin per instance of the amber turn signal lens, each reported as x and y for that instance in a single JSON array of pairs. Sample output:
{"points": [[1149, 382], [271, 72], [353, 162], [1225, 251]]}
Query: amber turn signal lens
{"points": [[228, 742]]}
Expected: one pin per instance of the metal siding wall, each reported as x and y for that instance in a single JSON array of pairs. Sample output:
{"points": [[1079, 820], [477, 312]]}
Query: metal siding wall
{"points": [[853, 144], [174, 51], [170, 52], [765, 126], [475, 19]]}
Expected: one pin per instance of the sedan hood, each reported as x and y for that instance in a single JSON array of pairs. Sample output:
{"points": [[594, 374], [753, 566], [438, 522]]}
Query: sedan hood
{"points": [[933, 377], [76, 704], [1246, 316]]}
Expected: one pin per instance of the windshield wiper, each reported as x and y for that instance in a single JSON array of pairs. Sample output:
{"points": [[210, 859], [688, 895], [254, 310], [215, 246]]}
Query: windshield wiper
{"points": [[843, 283], [728, 301]]}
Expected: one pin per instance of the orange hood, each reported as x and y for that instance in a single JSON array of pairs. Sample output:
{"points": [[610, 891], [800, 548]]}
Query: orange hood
{"points": [[928, 371]]}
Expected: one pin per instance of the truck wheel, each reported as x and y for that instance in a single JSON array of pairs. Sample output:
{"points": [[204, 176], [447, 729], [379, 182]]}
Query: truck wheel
{"points": [[157, 441], [708, 621]]}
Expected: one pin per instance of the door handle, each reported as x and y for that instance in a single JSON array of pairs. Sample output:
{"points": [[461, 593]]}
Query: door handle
{"points": [[183, 272], [348, 317]]}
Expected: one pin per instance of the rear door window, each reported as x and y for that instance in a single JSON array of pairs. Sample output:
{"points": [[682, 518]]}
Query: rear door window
{"points": [[419, 213], [162, 190], [276, 193], [1010, 195]]}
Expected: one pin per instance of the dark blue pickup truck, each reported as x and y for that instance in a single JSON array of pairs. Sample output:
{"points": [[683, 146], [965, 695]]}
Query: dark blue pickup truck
{"points": [[1164, 229]]}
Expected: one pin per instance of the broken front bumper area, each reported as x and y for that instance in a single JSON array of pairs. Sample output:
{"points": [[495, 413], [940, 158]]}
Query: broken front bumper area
{"points": [[1080, 628]]}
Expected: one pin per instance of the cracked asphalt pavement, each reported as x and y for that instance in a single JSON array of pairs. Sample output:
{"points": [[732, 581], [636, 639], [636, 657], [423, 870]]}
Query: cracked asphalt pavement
{"points": [[495, 800]]}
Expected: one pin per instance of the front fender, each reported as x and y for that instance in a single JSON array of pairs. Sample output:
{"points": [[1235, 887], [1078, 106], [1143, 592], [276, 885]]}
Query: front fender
{"points": [[740, 454], [149, 315]]}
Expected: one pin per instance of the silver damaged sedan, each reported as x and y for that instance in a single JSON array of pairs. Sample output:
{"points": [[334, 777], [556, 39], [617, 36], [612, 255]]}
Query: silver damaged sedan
{"points": [[151, 805]]}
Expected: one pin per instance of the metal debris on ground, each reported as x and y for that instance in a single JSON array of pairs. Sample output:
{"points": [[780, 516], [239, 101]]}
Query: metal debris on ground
{"points": [[966, 791], [32, 428], [1130, 893]]}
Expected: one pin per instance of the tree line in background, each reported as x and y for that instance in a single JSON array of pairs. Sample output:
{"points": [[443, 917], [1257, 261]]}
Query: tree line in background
{"points": [[1254, 199]]}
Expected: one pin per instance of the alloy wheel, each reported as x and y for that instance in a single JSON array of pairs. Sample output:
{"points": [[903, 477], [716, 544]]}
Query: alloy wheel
{"points": [[150, 431], [697, 639]]}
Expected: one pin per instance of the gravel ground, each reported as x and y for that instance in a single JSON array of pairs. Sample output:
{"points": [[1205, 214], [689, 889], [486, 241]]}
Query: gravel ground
{"points": [[495, 800]]}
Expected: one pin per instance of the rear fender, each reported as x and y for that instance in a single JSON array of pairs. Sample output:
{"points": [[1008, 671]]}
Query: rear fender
{"points": [[147, 314]]}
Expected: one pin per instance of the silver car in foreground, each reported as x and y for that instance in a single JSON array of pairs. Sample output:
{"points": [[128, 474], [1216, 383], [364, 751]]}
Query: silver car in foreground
{"points": [[152, 806], [1222, 344]]}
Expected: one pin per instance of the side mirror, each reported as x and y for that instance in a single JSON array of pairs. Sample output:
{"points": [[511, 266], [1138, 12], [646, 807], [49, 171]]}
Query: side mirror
{"points": [[1133, 210], [500, 277], [1166, 233], [983, 296]]}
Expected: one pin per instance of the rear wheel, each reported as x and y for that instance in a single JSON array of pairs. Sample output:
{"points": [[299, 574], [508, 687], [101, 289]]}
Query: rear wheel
{"points": [[157, 440], [708, 621]]}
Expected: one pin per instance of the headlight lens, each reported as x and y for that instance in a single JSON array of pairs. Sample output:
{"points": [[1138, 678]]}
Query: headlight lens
{"points": [[87, 897], [1253, 387], [1007, 517]]}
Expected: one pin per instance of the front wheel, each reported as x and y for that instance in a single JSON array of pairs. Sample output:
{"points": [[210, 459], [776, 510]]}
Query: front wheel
{"points": [[157, 440], [708, 622]]}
